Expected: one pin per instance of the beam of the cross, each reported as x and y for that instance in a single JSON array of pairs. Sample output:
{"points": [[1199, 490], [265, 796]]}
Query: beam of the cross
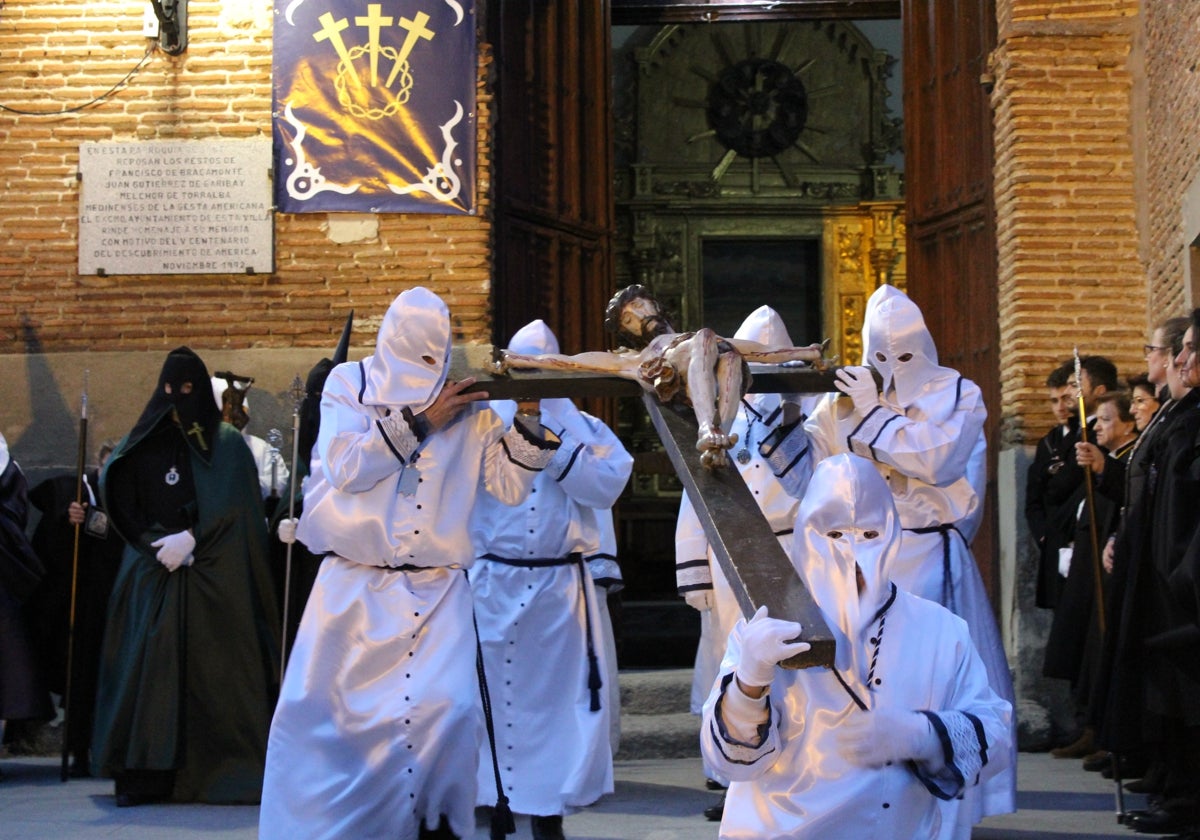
{"points": [[331, 31], [757, 568], [415, 30], [516, 384], [374, 21]]}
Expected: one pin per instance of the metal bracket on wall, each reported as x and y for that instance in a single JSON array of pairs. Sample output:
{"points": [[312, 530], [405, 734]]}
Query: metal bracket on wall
{"points": [[172, 25]]}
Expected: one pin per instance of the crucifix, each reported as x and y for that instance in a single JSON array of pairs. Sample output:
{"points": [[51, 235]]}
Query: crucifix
{"points": [[758, 569]]}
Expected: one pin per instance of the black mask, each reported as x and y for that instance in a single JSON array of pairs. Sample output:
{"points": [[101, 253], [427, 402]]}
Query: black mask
{"points": [[195, 412]]}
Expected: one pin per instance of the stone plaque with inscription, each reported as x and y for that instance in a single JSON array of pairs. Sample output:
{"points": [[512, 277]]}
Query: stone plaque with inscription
{"points": [[176, 207]]}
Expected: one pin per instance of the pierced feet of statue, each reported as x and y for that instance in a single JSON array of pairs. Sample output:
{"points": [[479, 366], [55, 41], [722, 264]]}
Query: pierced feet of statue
{"points": [[714, 447]]}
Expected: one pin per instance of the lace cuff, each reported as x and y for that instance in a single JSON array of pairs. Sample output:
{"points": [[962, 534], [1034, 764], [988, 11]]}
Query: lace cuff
{"points": [[526, 449], [691, 575], [734, 750], [400, 436], [964, 754], [862, 440]]}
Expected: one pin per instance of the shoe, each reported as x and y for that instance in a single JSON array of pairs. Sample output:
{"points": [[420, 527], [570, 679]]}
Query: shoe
{"points": [[1150, 783], [713, 813], [1082, 746], [1159, 821], [1130, 768], [713, 784], [547, 828], [1097, 761]]}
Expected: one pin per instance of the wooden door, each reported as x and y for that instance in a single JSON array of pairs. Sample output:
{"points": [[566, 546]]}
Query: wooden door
{"points": [[952, 263], [552, 175]]}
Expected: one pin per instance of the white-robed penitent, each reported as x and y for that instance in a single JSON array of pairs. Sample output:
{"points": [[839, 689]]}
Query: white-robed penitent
{"points": [[925, 437], [769, 455], [538, 616], [379, 723], [794, 772]]}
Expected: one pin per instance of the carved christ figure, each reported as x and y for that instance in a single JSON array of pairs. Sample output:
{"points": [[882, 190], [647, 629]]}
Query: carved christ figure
{"points": [[704, 370]]}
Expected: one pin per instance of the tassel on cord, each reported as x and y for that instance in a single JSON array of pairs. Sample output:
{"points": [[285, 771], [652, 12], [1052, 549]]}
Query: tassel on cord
{"points": [[594, 681], [502, 819]]}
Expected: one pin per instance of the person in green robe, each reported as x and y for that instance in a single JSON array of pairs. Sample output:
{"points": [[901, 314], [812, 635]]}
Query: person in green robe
{"points": [[188, 672]]}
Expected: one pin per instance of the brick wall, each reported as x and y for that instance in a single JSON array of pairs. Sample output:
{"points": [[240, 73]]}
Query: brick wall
{"points": [[60, 54], [1068, 195], [1172, 67], [1070, 273]]}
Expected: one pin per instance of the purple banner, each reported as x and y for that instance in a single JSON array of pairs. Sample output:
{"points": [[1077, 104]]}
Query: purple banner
{"points": [[374, 106]]}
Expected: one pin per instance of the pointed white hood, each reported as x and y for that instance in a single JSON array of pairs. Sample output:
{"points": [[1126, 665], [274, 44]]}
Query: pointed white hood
{"points": [[893, 326], [765, 326], [412, 353], [847, 520], [4, 456], [558, 414]]}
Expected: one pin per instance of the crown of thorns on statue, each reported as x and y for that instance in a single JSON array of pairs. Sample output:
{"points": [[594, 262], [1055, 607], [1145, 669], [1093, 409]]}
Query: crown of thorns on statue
{"points": [[612, 313]]}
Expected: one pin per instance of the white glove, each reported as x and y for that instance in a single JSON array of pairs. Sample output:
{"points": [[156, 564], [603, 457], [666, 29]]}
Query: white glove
{"points": [[764, 645], [859, 385], [287, 531], [884, 736], [699, 599], [175, 550]]}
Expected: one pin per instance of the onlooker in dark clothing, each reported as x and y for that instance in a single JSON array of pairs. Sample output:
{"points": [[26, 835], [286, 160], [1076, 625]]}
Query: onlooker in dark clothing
{"points": [[23, 692], [1054, 484], [64, 640], [1155, 631], [1073, 647]]}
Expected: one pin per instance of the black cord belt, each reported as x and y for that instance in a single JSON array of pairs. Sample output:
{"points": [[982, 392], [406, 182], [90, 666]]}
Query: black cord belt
{"points": [[948, 599], [536, 562]]}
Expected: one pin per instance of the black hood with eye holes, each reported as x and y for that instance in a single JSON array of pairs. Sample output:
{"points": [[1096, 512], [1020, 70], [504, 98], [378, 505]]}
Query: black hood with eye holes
{"points": [[197, 412]]}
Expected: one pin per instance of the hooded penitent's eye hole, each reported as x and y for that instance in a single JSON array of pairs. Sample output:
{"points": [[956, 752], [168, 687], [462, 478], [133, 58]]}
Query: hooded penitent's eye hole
{"points": [[870, 535], [185, 388], [167, 388], [834, 535], [880, 357], [429, 360], [907, 357]]}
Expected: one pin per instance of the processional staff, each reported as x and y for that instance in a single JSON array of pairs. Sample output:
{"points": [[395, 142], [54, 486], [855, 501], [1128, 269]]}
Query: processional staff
{"points": [[1091, 502], [82, 461], [297, 392], [1097, 567]]}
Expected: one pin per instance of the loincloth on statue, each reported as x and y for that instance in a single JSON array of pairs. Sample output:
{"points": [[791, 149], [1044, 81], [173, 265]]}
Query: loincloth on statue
{"points": [[667, 383]]}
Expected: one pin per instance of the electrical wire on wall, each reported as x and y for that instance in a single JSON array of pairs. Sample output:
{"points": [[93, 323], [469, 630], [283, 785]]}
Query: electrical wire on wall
{"points": [[91, 102]]}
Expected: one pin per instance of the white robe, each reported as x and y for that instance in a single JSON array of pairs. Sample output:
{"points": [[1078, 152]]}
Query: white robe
{"points": [[933, 456], [379, 723], [792, 781], [261, 450], [537, 623]]}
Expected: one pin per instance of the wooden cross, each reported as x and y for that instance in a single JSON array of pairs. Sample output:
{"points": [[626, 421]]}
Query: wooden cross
{"points": [[757, 568]]}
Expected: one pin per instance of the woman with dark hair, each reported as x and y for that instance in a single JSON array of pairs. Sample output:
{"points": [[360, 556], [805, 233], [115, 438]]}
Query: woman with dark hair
{"points": [[1143, 400]]}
